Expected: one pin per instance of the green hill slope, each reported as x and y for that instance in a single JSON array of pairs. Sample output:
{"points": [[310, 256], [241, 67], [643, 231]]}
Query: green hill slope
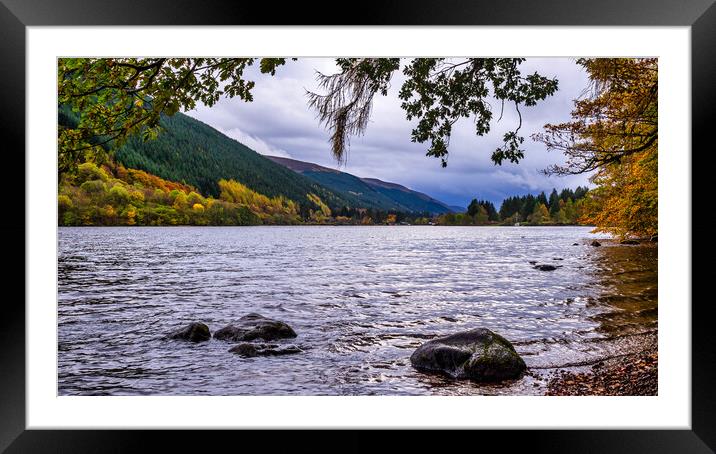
{"points": [[194, 153]]}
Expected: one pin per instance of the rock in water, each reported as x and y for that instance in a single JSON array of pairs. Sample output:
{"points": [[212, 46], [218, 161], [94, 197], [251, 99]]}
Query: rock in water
{"points": [[545, 267], [255, 326], [478, 354], [596, 243], [629, 242], [194, 332], [248, 350]]}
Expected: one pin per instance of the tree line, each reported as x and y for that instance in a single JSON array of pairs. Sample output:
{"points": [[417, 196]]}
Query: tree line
{"points": [[566, 207]]}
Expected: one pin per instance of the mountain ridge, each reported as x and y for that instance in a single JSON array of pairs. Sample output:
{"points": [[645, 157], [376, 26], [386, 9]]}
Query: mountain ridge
{"points": [[401, 198]]}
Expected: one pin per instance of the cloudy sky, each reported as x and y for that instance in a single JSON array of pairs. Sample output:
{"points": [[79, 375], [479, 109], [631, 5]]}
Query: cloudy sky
{"points": [[278, 122]]}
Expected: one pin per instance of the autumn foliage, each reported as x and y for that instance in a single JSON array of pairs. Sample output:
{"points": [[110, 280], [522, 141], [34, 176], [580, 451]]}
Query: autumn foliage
{"points": [[114, 195], [614, 132]]}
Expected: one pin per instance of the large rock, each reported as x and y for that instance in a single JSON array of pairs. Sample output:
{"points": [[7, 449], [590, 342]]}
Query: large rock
{"points": [[249, 350], [478, 354], [255, 326], [193, 332], [545, 267]]}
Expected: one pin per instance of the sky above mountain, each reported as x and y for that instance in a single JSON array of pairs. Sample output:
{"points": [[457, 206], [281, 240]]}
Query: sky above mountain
{"points": [[278, 122]]}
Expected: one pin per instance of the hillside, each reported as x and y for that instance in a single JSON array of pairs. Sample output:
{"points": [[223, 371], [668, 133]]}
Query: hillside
{"points": [[193, 153], [114, 195], [197, 154], [370, 191]]}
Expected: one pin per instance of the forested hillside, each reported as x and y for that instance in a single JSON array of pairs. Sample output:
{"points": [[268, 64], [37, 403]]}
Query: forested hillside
{"points": [[115, 195], [191, 152]]}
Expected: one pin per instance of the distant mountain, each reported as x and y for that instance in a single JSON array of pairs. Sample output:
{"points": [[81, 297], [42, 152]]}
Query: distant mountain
{"points": [[341, 182], [370, 191], [457, 208], [412, 200]]}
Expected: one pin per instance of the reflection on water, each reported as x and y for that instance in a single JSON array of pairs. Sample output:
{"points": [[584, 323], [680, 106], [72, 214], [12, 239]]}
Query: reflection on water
{"points": [[627, 280], [360, 298]]}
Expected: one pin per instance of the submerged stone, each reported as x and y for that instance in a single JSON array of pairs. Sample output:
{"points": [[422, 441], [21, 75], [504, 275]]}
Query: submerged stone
{"points": [[255, 326], [193, 332], [248, 350], [629, 242], [545, 267], [596, 243], [478, 354]]}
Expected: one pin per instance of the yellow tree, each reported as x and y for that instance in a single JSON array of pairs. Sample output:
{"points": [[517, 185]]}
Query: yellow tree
{"points": [[323, 212], [614, 133], [540, 215]]}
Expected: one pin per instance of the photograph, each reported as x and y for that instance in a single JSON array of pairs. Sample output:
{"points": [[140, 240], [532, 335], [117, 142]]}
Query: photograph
{"points": [[357, 226]]}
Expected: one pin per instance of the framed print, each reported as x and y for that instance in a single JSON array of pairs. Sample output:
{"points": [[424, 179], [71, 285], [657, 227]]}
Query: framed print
{"points": [[411, 217]]}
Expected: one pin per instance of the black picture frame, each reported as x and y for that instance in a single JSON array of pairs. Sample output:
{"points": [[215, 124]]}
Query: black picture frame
{"points": [[16, 15]]}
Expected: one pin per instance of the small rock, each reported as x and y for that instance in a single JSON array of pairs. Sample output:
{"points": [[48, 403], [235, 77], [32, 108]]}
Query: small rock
{"points": [[629, 242], [478, 354], [193, 332], [532, 262], [653, 239], [545, 267], [248, 350], [575, 244], [557, 258], [595, 243], [255, 326]]}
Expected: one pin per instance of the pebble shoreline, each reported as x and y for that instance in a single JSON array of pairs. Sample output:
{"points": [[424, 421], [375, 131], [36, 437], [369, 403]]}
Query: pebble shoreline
{"points": [[634, 374]]}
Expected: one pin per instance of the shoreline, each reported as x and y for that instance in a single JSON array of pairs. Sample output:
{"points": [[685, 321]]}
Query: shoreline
{"points": [[631, 374]]}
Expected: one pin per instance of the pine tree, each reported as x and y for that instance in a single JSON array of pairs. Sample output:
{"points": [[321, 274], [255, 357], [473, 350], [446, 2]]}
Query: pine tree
{"points": [[553, 202], [473, 207]]}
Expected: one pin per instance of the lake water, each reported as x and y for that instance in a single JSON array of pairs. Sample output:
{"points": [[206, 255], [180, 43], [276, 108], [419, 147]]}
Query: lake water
{"points": [[360, 298]]}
